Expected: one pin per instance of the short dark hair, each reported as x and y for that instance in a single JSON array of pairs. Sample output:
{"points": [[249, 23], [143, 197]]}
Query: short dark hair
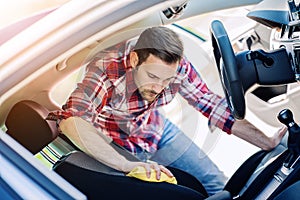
{"points": [[161, 42]]}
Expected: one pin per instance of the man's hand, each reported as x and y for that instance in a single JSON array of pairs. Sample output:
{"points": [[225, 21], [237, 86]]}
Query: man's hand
{"points": [[128, 166], [277, 137]]}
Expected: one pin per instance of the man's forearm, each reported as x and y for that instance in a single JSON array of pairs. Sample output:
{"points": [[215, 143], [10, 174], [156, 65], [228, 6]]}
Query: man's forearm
{"points": [[248, 132], [86, 137]]}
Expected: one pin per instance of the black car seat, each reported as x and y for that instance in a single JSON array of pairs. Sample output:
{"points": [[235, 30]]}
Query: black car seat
{"points": [[26, 123]]}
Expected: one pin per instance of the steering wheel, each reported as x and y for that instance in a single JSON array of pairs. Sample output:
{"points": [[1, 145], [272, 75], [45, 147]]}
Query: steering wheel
{"points": [[228, 70]]}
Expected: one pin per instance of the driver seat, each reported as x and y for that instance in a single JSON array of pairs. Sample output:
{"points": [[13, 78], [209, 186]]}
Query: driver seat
{"points": [[27, 124]]}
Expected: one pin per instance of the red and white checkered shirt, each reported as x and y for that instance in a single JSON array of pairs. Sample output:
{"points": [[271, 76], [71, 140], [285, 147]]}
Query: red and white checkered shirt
{"points": [[108, 98]]}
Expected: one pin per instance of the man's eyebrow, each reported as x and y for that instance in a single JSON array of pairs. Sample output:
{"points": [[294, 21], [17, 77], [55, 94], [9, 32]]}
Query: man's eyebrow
{"points": [[171, 77], [152, 74], [159, 77]]}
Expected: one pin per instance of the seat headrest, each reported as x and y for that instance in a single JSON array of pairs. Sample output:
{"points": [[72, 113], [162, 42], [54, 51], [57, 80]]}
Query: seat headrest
{"points": [[26, 122]]}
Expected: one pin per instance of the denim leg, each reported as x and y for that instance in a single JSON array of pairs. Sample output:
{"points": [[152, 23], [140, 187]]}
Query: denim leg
{"points": [[177, 150]]}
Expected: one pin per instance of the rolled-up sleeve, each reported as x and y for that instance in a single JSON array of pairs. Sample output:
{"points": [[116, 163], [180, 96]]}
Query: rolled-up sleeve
{"points": [[211, 105]]}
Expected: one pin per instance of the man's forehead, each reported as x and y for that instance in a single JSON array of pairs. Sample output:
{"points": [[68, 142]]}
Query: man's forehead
{"points": [[160, 69]]}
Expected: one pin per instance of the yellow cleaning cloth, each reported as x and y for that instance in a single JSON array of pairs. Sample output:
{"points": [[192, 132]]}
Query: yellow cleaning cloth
{"points": [[140, 173]]}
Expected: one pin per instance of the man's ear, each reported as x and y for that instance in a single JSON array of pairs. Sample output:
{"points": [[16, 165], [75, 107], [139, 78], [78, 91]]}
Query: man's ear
{"points": [[134, 59]]}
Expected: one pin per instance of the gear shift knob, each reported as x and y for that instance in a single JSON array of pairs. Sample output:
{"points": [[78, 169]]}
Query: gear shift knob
{"points": [[286, 117]]}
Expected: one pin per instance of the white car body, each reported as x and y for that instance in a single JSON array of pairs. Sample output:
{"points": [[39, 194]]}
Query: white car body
{"points": [[37, 58]]}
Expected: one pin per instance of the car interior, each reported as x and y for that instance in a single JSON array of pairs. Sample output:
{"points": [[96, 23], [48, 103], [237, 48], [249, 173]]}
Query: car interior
{"points": [[270, 75]]}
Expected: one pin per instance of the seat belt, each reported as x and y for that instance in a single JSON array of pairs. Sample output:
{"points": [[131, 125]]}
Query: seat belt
{"points": [[292, 178], [263, 178], [243, 173]]}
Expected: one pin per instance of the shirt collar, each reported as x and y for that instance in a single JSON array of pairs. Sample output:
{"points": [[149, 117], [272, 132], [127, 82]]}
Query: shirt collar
{"points": [[131, 87]]}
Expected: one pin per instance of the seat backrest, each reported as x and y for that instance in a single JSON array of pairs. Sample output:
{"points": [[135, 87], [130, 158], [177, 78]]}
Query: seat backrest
{"points": [[26, 122]]}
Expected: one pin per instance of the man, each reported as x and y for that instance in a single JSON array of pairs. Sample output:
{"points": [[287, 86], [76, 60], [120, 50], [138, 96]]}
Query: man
{"points": [[119, 97]]}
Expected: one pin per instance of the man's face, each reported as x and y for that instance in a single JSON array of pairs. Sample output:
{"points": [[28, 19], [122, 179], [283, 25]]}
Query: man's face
{"points": [[152, 76]]}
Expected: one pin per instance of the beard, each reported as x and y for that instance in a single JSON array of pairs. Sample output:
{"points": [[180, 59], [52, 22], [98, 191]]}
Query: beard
{"points": [[148, 95]]}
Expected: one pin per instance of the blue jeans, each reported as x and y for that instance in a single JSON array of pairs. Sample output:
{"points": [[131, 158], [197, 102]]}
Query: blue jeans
{"points": [[177, 150]]}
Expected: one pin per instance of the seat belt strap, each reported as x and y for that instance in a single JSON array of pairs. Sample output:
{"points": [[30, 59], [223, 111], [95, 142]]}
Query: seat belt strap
{"points": [[292, 178], [263, 178], [243, 173]]}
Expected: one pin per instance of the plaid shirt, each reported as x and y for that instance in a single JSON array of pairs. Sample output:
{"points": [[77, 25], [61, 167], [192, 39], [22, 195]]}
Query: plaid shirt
{"points": [[108, 98]]}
